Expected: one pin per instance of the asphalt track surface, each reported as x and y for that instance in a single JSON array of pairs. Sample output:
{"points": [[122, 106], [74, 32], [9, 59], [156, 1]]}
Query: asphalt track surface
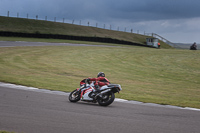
{"points": [[22, 43], [41, 111]]}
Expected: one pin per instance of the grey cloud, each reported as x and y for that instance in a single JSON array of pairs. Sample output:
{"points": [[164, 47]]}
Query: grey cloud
{"points": [[134, 10], [157, 9], [160, 16]]}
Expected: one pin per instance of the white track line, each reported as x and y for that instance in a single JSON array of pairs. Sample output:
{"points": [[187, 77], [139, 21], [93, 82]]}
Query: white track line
{"points": [[8, 85]]}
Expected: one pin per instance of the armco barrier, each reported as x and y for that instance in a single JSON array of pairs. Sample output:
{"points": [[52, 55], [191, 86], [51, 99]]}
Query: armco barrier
{"points": [[68, 37]]}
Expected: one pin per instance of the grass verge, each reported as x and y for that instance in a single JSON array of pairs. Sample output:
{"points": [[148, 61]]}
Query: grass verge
{"points": [[23, 25], [5, 132], [160, 76]]}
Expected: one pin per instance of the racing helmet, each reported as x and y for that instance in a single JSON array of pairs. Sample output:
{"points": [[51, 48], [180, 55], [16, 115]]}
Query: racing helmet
{"points": [[100, 74]]}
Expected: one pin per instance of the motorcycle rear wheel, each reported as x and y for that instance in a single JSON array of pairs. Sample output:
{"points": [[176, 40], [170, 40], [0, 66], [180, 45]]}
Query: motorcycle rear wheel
{"points": [[74, 96], [106, 99]]}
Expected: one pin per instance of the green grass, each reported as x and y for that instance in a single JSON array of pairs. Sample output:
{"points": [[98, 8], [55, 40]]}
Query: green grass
{"points": [[47, 27], [163, 76], [5, 132]]}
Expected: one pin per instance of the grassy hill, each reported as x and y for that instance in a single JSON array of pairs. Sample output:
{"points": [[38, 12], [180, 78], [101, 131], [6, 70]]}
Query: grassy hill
{"points": [[163, 76], [47, 27]]}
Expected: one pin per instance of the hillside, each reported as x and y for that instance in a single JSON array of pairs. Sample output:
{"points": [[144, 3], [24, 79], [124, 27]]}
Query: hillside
{"points": [[47, 27]]}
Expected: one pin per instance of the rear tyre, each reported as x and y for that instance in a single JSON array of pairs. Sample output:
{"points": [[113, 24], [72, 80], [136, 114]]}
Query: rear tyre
{"points": [[74, 96], [106, 99]]}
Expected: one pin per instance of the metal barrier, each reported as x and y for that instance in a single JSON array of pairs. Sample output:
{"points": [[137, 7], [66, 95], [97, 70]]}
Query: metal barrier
{"points": [[68, 37]]}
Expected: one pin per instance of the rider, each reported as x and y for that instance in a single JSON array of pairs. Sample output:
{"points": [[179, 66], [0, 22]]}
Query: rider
{"points": [[99, 81]]}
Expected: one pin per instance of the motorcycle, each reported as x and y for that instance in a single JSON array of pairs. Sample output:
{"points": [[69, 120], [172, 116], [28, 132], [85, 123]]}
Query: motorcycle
{"points": [[87, 93]]}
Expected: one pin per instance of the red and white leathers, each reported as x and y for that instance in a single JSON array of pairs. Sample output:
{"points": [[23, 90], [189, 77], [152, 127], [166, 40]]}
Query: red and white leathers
{"points": [[100, 81]]}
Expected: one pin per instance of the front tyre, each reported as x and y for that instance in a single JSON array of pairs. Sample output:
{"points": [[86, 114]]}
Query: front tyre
{"points": [[106, 99], [74, 96]]}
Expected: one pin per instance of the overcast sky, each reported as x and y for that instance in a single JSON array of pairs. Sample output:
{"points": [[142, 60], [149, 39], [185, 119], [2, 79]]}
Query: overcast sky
{"points": [[175, 20]]}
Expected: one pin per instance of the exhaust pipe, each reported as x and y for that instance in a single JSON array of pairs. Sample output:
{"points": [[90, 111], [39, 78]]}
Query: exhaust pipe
{"points": [[105, 91], [100, 94]]}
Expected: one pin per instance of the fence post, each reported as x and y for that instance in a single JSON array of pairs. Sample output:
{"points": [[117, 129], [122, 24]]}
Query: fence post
{"points": [[54, 19], [17, 15], [36, 17], [27, 15], [8, 13], [46, 18]]}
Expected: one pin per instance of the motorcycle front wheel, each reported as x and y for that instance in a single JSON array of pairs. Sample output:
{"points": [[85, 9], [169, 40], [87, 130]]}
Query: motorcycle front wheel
{"points": [[74, 96], [106, 99]]}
